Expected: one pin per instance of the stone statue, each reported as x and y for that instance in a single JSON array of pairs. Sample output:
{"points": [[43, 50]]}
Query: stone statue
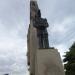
{"points": [[42, 34]]}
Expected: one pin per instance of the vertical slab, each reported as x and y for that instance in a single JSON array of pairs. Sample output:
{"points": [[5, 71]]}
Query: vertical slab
{"points": [[48, 62]]}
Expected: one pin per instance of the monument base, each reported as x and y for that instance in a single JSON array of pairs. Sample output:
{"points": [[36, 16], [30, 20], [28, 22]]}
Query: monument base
{"points": [[48, 62]]}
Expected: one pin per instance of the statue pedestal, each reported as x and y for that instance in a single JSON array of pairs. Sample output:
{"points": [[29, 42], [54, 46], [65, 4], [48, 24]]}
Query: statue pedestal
{"points": [[48, 62]]}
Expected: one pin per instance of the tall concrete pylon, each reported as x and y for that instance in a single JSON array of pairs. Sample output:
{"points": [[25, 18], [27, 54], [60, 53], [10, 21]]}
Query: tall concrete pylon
{"points": [[42, 59]]}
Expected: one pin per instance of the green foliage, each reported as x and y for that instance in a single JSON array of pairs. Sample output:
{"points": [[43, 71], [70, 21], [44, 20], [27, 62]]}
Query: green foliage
{"points": [[70, 61]]}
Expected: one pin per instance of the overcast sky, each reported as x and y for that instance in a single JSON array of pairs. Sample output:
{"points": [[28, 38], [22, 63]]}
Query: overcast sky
{"points": [[14, 21]]}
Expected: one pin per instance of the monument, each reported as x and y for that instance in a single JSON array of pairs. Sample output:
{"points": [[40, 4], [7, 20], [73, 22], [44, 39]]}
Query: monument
{"points": [[42, 59]]}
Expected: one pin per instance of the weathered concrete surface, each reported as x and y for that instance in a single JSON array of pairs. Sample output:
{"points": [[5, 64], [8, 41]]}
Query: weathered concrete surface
{"points": [[48, 62]]}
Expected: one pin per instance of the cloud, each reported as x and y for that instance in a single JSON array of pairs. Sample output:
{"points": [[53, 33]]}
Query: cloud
{"points": [[13, 30], [13, 55]]}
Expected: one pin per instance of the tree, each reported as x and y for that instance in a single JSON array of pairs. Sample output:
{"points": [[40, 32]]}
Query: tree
{"points": [[70, 61]]}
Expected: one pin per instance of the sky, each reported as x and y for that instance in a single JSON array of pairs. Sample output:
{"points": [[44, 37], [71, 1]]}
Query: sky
{"points": [[14, 22]]}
